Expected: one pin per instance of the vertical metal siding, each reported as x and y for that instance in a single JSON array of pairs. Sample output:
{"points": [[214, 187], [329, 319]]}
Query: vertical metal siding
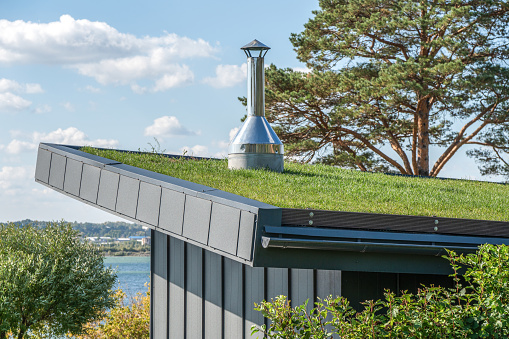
{"points": [[302, 287], [212, 297], [213, 280], [194, 295], [254, 292], [277, 282], [328, 282], [160, 285], [176, 321], [233, 304]]}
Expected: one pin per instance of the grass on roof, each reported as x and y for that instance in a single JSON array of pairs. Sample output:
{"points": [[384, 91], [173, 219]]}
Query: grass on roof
{"points": [[330, 188]]}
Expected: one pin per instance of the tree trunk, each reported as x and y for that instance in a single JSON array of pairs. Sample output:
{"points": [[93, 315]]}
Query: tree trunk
{"points": [[423, 109]]}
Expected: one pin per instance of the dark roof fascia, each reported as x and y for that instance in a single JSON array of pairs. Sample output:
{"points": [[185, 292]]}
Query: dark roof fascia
{"points": [[371, 241]]}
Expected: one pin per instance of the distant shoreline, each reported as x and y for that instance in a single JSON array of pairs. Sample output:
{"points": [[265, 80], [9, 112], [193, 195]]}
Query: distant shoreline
{"points": [[107, 253]]}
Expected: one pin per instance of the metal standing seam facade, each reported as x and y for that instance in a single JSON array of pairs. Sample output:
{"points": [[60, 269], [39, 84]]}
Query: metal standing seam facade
{"points": [[214, 254]]}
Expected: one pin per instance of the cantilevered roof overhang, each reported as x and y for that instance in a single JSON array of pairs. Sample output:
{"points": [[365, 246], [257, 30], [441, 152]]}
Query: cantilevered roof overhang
{"points": [[258, 234]]}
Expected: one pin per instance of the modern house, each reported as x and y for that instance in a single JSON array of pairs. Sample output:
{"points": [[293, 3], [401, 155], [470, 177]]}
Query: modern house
{"points": [[214, 253]]}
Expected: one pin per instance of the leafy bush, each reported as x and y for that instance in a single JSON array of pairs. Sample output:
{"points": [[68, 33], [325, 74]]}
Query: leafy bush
{"points": [[476, 308], [123, 321], [50, 281]]}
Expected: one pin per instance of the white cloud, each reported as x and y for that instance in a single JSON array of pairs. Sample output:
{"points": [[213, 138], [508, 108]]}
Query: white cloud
{"points": [[228, 76], [13, 102], [14, 178], [92, 89], [18, 146], [43, 109], [33, 88], [233, 132], [167, 126], [179, 77], [68, 106], [196, 150], [71, 136], [7, 85], [98, 50], [68, 136]]}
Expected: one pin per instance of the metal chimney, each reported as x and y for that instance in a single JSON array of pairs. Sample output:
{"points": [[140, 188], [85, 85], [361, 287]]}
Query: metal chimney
{"points": [[256, 145]]}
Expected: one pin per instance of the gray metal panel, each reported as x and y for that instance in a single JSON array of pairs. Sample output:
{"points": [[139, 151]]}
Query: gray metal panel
{"points": [[43, 165], [90, 183], [234, 200], [57, 171], [213, 295], [253, 293], [171, 215], [246, 232], [72, 180], [127, 199], [177, 292], [75, 153], [224, 228], [160, 285], [194, 284], [277, 282], [165, 181], [108, 187], [148, 203], [302, 288], [233, 304], [328, 282], [197, 219]]}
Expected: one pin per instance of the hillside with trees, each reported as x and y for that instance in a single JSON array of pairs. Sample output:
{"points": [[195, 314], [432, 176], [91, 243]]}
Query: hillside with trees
{"points": [[118, 229]]}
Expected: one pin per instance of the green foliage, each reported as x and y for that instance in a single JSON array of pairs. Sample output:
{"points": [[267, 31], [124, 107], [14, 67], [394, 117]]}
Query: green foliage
{"points": [[480, 309], [50, 281], [388, 80], [126, 320], [331, 188]]}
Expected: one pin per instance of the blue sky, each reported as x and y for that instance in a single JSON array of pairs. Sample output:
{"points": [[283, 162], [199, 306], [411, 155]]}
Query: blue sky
{"points": [[119, 73]]}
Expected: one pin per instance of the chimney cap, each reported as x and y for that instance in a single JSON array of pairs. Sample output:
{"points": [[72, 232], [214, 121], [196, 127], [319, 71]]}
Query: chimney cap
{"points": [[255, 45]]}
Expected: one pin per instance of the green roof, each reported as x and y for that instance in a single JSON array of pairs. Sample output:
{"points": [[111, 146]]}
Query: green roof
{"points": [[331, 188]]}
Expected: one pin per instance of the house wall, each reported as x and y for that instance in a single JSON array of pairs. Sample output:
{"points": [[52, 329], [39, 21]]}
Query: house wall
{"points": [[197, 293]]}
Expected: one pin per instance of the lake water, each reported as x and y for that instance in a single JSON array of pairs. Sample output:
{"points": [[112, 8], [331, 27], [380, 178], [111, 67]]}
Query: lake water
{"points": [[132, 273]]}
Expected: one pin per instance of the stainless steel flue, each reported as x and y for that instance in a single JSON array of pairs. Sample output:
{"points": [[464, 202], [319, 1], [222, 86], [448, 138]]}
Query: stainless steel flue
{"points": [[256, 145]]}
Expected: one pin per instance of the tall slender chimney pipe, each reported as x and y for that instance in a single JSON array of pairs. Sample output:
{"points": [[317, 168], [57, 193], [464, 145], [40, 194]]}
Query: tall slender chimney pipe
{"points": [[256, 145]]}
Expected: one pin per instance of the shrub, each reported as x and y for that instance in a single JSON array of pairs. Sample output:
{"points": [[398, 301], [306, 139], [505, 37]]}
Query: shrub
{"points": [[50, 281], [476, 308], [123, 321]]}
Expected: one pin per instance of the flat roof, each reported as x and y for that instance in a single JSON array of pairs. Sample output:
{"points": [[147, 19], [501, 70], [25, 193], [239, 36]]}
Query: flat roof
{"points": [[256, 233], [324, 187]]}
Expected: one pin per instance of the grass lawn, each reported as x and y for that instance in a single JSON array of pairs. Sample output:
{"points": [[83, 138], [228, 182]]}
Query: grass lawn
{"points": [[330, 188]]}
